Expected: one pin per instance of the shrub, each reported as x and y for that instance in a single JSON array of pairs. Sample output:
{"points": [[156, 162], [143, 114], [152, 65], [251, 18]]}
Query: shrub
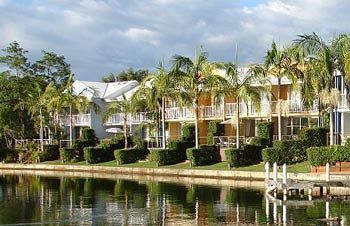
{"points": [[68, 155], [338, 153], [180, 147], [188, 133], [9, 155], [88, 134], [260, 141], [51, 152], [164, 157], [313, 137], [318, 156], [79, 146], [285, 151], [245, 155], [97, 154], [203, 155], [214, 129], [265, 130], [123, 156]]}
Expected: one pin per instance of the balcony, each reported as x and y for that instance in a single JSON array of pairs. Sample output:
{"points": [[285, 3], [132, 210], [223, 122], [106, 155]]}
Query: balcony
{"points": [[179, 113], [117, 119], [77, 120]]}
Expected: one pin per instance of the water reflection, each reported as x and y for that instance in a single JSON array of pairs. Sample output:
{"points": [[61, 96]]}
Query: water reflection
{"points": [[86, 201]]}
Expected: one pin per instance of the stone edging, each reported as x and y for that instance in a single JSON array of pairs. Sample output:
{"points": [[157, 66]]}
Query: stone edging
{"points": [[224, 174]]}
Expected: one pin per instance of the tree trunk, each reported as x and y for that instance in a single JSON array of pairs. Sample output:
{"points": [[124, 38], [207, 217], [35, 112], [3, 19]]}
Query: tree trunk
{"points": [[237, 123], [196, 111], [125, 131], [331, 130], [279, 110], [41, 131], [163, 124], [70, 126], [318, 112]]}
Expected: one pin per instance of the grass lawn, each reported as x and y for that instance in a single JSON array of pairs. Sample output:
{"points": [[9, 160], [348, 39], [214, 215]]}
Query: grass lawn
{"points": [[303, 167]]}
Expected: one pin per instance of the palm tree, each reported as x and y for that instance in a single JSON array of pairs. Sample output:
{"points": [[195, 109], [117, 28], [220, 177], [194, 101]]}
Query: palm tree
{"points": [[70, 100], [156, 89], [195, 77], [124, 106], [239, 86], [278, 63]]}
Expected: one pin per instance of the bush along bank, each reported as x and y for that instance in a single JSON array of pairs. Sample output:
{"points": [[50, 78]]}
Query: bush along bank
{"points": [[204, 155], [246, 155]]}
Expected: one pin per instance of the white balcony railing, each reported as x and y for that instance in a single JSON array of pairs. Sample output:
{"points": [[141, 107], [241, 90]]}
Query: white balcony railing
{"points": [[211, 112], [179, 113], [118, 118], [77, 120]]}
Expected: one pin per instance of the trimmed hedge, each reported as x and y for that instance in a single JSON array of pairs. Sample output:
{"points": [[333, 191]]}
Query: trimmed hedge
{"points": [[285, 151], [265, 130], [51, 152], [313, 137], [260, 141], [180, 147], [204, 155], [97, 154], [68, 155], [319, 156], [164, 157], [124, 156], [244, 156]]}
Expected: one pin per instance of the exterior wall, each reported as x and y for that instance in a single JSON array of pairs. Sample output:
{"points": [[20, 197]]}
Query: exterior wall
{"points": [[283, 92], [96, 119], [174, 129], [203, 127]]}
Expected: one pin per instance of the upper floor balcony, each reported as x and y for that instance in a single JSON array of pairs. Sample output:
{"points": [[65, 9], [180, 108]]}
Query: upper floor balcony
{"points": [[118, 118], [77, 120], [245, 110]]}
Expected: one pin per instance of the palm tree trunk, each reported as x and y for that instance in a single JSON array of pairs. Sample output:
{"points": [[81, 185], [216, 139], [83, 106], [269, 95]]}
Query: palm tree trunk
{"points": [[196, 111], [319, 112], [163, 124], [41, 130], [331, 129], [279, 110], [237, 124], [125, 131], [70, 126]]}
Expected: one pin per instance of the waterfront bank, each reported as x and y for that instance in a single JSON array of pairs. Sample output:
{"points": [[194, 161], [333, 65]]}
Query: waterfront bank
{"points": [[174, 173]]}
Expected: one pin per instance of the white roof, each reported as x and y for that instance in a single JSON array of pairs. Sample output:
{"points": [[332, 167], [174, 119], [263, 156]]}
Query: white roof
{"points": [[109, 91]]}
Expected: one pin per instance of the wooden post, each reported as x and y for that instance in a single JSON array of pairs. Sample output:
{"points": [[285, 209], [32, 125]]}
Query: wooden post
{"points": [[284, 214], [267, 207], [267, 173], [284, 177], [327, 209], [275, 173], [327, 172]]}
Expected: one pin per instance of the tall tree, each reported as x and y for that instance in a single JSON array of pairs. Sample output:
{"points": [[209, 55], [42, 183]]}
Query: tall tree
{"points": [[195, 77], [15, 58], [238, 84], [109, 78], [130, 74], [124, 106], [52, 67]]}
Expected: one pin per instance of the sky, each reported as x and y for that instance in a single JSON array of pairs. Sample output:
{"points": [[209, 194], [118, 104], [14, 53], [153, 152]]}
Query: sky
{"points": [[98, 37]]}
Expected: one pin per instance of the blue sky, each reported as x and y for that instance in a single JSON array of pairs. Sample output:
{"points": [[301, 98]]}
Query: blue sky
{"points": [[102, 36]]}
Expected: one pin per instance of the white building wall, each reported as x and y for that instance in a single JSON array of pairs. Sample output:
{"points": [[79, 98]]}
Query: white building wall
{"points": [[96, 119]]}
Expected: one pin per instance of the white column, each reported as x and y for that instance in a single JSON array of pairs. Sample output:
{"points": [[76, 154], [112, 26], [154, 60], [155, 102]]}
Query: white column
{"points": [[327, 209], [267, 172], [275, 173], [267, 207], [327, 172], [284, 214]]}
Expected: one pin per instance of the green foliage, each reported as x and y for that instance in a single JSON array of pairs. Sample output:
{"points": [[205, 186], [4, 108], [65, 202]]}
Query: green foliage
{"points": [[51, 152], [180, 147], [165, 156], [244, 156], [9, 155], [313, 137], [265, 130], [214, 129], [97, 154], [88, 134], [69, 155], [203, 155], [260, 141], [79, 146], [319, 156], [130, 74], [285, 151], [188, 133], [124, 156]]}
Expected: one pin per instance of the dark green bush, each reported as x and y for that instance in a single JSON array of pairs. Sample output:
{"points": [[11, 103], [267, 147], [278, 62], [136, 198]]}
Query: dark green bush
{"points": [[260, 141], [68, 155], [203, 155], [285, 151], [164, 157], [97, 154], [9, 155], [244, 156], [88, 134], [214, 129], [51, 152], [313, 137], [318, 156], [188, 133], [78, 146], [338, 153], [180, 147], [124, 156], [265, 130]]}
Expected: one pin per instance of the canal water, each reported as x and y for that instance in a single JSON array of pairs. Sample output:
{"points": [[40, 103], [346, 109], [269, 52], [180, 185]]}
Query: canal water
{"points": [[39, 200]]}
